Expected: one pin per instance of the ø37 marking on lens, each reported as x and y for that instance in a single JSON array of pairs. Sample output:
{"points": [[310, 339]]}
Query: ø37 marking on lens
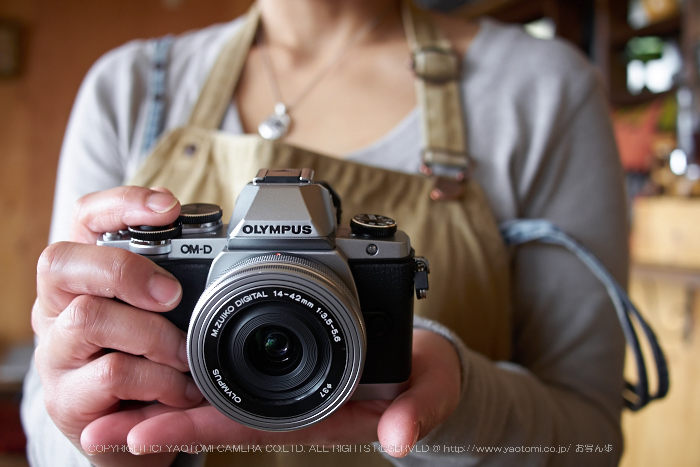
{"points": [[325, 390]]}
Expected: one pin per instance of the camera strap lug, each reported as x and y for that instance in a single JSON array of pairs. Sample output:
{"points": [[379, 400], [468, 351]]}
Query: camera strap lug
{"points": [[421, 277]]}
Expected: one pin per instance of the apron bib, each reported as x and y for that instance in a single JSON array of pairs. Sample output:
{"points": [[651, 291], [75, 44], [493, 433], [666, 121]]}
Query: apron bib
{"points": [[469, 263]]}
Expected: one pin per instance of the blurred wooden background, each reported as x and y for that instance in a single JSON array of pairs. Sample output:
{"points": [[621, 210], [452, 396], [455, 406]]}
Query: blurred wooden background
{"points": [[60, 40]]}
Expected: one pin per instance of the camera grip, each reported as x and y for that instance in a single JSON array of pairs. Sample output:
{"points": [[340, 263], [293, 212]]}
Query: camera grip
{"points": [[192, 276], [386, 295]]}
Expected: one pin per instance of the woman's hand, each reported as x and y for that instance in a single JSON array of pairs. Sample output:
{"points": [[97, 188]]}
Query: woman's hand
{"points": [[85, 386], [76, 319], [432, 396]]}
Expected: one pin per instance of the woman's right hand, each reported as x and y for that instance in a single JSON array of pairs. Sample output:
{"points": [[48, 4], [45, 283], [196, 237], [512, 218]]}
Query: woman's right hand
{"points": [[76, 320]]}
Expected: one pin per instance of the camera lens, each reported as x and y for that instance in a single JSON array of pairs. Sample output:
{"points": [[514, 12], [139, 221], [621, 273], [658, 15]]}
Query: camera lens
{"points": [[277, 342]]}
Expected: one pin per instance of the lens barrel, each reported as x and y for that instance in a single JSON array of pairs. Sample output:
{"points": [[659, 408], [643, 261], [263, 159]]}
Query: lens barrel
{"points": [[277, 342]]}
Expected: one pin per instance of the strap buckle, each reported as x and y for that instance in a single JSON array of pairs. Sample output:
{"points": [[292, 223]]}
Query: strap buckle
{"points": [[435, 65], [449, 171]]}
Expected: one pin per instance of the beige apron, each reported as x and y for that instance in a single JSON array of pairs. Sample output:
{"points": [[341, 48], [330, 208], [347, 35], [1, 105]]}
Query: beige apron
{"points": [[469, 279]]}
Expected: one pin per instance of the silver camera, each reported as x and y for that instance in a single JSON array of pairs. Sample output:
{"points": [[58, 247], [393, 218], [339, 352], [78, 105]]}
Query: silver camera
{"points": [[287, 315]]}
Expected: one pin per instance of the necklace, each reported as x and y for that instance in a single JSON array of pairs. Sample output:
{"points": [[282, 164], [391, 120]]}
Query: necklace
{"points": [[278, 123]]}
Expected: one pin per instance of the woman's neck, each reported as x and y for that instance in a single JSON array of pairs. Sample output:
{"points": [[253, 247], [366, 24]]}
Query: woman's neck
{"points": [[309, 29]]}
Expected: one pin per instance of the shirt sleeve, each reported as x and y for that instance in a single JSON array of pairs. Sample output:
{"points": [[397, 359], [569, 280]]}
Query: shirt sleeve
{"points": [[106, 120], [558, 401]]}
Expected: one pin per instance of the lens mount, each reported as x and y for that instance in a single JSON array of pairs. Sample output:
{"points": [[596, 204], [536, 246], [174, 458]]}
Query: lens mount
{"points": [[277, 342]]}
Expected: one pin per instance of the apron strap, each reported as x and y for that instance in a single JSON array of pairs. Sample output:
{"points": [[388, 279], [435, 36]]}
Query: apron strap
{"points": [[437, 69], [638, 395], [218, 89]]}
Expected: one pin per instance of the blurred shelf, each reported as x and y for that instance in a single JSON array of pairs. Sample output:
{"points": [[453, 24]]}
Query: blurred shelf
{"points": [[572, 18], [512, 11], [625, 99], [622, 32], [686, 276], [13, 460]]}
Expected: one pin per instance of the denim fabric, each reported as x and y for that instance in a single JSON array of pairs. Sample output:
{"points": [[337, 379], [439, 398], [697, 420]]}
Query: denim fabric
{"points": [[156, 94], [518, 232]]}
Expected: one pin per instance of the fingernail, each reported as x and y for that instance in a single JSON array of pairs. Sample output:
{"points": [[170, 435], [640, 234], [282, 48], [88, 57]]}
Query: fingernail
{"points": [[192, 392], [139, 450], [164, 290], [416, 434], [161, 202], [182, 354]]}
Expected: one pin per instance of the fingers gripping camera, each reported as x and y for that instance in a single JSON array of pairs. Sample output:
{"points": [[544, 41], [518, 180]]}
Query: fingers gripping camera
{"points": [[288, 315]]}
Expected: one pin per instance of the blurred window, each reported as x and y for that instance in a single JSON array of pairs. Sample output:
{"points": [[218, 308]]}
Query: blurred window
{"points": [[653, 63], [543, 28]]}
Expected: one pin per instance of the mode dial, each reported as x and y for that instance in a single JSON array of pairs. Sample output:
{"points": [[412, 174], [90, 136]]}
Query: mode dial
{"points": [[200, 218], [373, 225]]}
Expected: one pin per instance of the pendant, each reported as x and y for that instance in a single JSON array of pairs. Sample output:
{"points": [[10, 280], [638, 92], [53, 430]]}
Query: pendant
{"points": [[276, 125]]}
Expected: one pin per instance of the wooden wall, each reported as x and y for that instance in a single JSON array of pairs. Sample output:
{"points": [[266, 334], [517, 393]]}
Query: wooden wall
{"points": [[62, 39], [18, 251]]}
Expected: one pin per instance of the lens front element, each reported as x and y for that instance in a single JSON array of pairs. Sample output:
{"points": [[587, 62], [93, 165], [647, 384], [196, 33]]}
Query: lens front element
{"points": [[273, 349]]}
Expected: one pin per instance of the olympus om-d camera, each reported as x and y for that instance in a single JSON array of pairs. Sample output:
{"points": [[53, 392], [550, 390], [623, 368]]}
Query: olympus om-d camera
{"points": [[287, 315]]}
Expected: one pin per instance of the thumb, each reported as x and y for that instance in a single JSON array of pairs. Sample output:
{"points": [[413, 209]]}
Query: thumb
{"points": [[431, 398]]}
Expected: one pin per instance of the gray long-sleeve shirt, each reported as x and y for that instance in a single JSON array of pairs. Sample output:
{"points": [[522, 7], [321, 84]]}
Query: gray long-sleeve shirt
{"points": [[539, 132]]}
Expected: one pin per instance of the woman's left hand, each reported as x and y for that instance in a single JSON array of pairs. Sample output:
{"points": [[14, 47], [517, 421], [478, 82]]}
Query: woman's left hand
{"points": [[431, 398]]}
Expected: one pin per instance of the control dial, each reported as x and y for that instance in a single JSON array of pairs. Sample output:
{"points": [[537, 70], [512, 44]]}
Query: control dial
{"points": [[147, 233], [373, 225]]}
